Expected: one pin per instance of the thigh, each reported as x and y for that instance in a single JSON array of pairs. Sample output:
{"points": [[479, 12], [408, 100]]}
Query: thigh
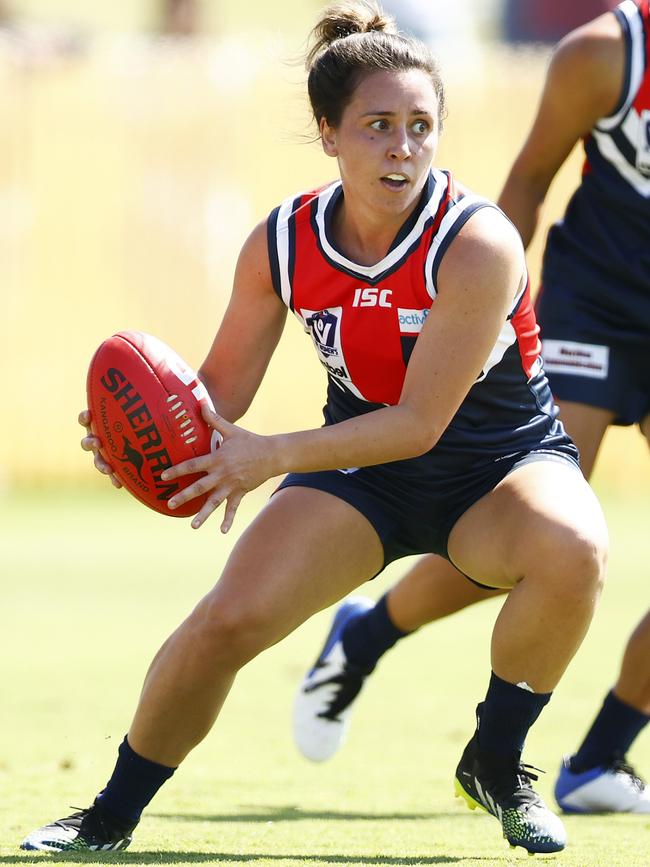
{"points": [[302, 553], [524, 522]]}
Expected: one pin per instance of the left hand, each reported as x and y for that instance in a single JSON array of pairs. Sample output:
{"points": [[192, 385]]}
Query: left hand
{"points": [[242, 462]]}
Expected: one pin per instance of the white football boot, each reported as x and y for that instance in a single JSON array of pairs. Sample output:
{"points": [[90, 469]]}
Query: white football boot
{"points": [[324, 701], [614, 788]]}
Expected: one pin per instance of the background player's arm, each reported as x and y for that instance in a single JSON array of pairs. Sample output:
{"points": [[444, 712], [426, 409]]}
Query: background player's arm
{"points": [[248, 334], [583, 84]]}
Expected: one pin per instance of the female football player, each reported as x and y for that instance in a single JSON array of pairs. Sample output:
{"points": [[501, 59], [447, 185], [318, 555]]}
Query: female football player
{"points": [[594, 312], [440, 436]]}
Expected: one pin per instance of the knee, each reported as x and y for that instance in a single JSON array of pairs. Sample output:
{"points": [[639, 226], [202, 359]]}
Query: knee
{"points": [[230, 632], [583, 558]]}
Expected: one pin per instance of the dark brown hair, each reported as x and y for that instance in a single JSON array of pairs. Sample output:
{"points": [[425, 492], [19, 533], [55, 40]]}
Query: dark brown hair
{"points": [[353, 38]]}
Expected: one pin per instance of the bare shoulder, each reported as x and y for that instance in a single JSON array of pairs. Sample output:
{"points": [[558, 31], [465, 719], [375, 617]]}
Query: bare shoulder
{"points": [[254, 254], [486, 255], [591, 61], [489, 236]]}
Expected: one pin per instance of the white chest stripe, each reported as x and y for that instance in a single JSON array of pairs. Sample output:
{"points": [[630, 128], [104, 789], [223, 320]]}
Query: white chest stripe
{"points": [[444, 229], [633, 15], [283, 249], [612, 154]]}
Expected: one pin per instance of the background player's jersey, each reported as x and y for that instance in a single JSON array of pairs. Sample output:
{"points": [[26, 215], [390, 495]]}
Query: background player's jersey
{"points": [[600, 251], [364, 320]]}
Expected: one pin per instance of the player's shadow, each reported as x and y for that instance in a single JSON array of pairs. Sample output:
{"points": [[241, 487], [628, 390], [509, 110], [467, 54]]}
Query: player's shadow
{"points": [[296, 814], [158, 857]]}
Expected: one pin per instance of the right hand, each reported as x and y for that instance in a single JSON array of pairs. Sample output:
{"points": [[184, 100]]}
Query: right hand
{"points": [[90, 443]]}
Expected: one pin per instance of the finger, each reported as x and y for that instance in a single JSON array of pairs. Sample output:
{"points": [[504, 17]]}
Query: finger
{"points": [[102, 465], [204, 485], [215, 421], [200, 464], [115, 481], [205, 511], [84, 418], [232, 504], [90, 443]]}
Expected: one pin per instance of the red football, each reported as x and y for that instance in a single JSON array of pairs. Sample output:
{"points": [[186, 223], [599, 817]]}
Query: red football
{"points": [[145, 405]]}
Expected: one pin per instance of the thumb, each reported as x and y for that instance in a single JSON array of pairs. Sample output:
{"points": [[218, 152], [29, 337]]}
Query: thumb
{"points": [[215, 421]]}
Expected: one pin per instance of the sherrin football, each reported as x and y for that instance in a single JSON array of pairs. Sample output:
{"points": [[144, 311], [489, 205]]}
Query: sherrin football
{"points": [[145, 405]]}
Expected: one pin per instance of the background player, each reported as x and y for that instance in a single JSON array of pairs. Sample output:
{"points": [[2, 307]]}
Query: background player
{"points": [[409, 286], [594, 312]]}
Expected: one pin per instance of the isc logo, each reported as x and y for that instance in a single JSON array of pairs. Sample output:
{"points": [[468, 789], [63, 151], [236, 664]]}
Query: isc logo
{"points": [[371, 297]]}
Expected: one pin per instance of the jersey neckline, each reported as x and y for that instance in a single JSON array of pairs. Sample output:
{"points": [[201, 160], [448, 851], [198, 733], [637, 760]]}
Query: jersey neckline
{"points": [[434, 189]]}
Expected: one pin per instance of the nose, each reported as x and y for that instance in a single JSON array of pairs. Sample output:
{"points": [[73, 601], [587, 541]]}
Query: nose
{"points": [[400, 148]]}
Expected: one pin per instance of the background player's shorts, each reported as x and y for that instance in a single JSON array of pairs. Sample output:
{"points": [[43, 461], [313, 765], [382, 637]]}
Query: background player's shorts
{"points": [[418, 518], [587, 363]]}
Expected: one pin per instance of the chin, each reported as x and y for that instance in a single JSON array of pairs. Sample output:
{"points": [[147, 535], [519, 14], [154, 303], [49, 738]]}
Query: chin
{"points": [[396, 203]]}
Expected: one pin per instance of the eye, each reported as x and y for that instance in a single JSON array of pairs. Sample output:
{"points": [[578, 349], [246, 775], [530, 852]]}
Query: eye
{"points": [[380, 124], [421, 127]]}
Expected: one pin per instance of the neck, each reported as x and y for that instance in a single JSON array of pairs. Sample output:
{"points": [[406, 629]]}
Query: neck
{"points": [[364, 238], [362, 234]]}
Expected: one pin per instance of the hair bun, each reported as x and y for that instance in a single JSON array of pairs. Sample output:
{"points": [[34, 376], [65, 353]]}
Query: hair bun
{"points": [[345, 19]]}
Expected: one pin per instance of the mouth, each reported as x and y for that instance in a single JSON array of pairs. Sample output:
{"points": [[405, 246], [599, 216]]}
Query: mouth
{"points": [[395, 181]]}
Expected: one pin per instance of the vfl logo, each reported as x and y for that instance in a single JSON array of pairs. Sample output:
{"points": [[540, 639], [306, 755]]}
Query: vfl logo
{"points": [[324, 326], [132, 456]]}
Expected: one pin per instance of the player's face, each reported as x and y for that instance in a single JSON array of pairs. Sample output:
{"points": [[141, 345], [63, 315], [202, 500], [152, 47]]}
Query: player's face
{"points": [[386, 140]]}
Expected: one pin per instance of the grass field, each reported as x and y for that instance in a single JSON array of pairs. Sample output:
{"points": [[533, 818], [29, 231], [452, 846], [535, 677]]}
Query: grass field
{"points": [[92, 583]]}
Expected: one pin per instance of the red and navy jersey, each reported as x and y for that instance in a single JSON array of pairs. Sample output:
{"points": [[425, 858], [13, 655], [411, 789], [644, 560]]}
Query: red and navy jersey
{"points": [[364, 320], [601, 248]]}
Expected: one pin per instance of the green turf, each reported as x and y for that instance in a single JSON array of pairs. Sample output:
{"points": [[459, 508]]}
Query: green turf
{"points": [[92, 582]]}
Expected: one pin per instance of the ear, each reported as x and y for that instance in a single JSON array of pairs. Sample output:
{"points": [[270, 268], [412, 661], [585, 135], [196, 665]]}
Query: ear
{"points": [[328, 138]]}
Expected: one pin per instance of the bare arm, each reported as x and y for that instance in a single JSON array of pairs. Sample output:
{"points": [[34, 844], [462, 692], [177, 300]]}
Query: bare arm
{"points": [[242, 349], [583, 84], [248, 334], [478, 280]]}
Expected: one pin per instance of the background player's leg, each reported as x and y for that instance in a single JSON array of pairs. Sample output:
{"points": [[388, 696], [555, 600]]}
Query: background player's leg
{"points": [[361, 633], [645, 428], [430, 590], [633, 684], [597, 777], [586, 425]]}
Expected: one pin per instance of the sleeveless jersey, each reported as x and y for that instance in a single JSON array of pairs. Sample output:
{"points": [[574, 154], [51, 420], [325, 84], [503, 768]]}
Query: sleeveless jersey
{"points": [[364, 322], [600, 250]]}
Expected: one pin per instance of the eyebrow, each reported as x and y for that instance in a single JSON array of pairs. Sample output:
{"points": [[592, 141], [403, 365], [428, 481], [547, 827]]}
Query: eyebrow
{"points": [[393, 113]]}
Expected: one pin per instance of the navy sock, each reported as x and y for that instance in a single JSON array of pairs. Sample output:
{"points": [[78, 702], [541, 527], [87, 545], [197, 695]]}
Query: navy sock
{"points": [[611, 734], [133, 784], [506, 715], [367, 637]]}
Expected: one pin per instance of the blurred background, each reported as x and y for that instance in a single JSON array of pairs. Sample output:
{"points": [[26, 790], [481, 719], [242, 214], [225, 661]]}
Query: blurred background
{"points": [[141, 142]]}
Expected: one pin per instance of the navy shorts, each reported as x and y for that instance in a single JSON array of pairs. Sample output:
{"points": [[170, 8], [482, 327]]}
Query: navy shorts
{"points": [[418, 518], [586, 362]]}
